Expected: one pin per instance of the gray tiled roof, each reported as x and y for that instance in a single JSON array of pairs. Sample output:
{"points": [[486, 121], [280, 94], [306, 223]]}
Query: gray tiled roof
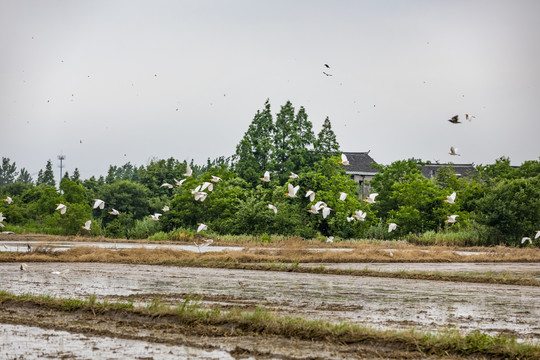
{"points": [[463, 170], [360, 162]]}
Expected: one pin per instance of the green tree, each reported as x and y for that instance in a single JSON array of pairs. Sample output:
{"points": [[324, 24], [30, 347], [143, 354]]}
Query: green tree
{"points": [[326, 144], [8, 172], [24, 177], [46, 177], [76, 175], [73, 192]]}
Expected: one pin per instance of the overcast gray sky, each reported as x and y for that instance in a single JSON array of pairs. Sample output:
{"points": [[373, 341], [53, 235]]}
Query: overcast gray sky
{"points": [[112, 74]]}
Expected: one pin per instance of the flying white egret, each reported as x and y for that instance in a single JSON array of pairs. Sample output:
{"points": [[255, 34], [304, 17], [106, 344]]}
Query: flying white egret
{"points": [[179, 183], [87, 225], [2, 217], [292, 190], [330, 239], [392, 226], [342, 196], [266, 177], [8, 200], [114, 212], [62, 208], [371, 198], [311, 195], [349, 219], [272, 207], [189, 172], [155, 217], [215, 179], [314, 209], [60, 273], [207, 185], [202, 227], [206, 243], [24, 267], [537, 234], [451, 198], [344, 160], [325, 211], [294, 176], [200, 196], [360, 215], [167, 185], [451, 219], [453, 151], [4, 246], [99, 203], [526, 239], [2, 225], [165, 208]]}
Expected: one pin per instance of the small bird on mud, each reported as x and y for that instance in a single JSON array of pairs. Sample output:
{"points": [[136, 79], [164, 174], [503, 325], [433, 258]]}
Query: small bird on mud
{"points": [[455, 120], [272, 207], [62, 208], [453, 151]]}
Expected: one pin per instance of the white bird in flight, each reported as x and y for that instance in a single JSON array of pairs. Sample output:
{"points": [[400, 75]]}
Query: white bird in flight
{"points": [[359, 215], [60, 273], [24, 267], [215, 179], [204, 244], [392, 227], [179, 183], [99, 203], [189, 172], [325, 211], [292, 190], [8, 200], [537, 234], [294, 176], [344, 160], [272, 207], [451, 198], [62, 208], [114, 212], [453, 151], [311, 195], [266, 177], [87, 225], [165, 208], [155, 217], [526, 239], [167, 185], [342, 196], [207, 185], [2, 217], [451, 219], [371, 198], [202, 227], [330, 239], [349, 219]]}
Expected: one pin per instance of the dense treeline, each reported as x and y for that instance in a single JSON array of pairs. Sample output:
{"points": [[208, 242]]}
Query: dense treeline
{"points": [[500, 204]]}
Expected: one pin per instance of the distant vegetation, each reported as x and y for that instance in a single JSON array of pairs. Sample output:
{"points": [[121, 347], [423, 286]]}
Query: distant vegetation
{"points": [[499, 205]]}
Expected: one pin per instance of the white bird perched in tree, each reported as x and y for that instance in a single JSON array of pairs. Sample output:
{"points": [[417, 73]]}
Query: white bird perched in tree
{"points": [[24, 267], [165, 208], [292, 190], [392, 226], [114, 212], [526, 239], [2, 217], [207, 185], [155, 217], [87, 225], [326, 211], [189, 172], [99, 203], [62, 208], [349, 219], [360, 215], [167, 185], [266, 177], [272, 207], [451, 219], [8, 200], [215, 179], [330, 239], [344, 160], [453, 151], [202, 227], [311, 195], [294, 176], [371, 198], [179, 183], [451, 198], [342, 196]]}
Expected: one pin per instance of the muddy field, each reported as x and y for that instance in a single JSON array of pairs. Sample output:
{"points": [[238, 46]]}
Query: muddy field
{"points": [[377, 302]]}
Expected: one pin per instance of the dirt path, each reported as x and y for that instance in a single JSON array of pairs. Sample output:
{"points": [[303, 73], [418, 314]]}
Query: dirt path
{"points": [[377, 302]]}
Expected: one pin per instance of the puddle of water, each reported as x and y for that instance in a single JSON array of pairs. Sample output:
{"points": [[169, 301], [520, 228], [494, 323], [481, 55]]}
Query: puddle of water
{"points": [[27, 342], [378, 302]]}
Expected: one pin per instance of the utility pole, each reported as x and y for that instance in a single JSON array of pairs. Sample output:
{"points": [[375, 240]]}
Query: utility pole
{"points": [[61, 158]]}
